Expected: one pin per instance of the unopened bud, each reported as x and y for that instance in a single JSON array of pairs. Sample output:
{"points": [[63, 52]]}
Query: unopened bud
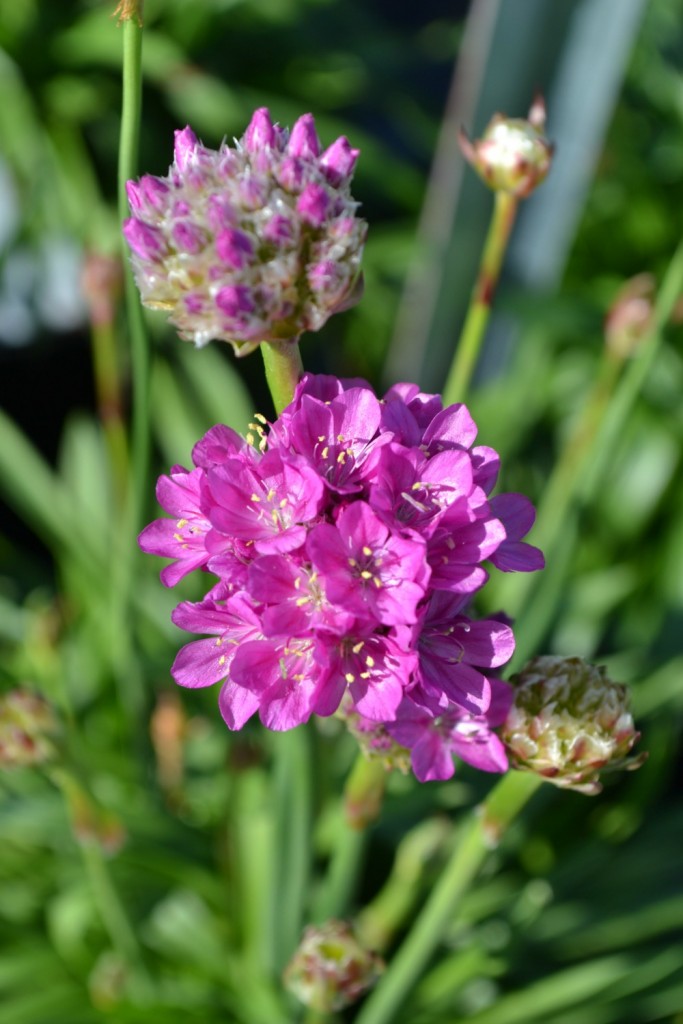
{"points": [[568, 722], [251, 243], [513, 155], [27, 725], [630, 316], [331, 969]]}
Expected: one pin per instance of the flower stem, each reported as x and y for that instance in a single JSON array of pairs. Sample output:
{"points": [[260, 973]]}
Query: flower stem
{"points": [[484, 829], [469, 344], [128, 157], [293, 810], [581, 468], [283, 365]]}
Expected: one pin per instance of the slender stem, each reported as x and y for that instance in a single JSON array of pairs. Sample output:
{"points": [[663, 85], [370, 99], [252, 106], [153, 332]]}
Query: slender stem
{"points": [[83, 816], [580, 470], [283, 365], [107, 387], [341, 879], [560, 492], [128, 158], [124, 549], [484, 829], [364, 792], [293, 808], [474, 328]]}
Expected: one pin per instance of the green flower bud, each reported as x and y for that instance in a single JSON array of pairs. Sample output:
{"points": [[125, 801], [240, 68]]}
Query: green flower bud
{"points": [[568, 722], [26, 724], [331, 969], [513, 155]]}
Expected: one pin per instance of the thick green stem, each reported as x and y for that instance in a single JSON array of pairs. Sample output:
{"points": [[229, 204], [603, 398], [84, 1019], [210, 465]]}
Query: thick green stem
{"points": [[482, 832], [474, 328], [282, 361]]}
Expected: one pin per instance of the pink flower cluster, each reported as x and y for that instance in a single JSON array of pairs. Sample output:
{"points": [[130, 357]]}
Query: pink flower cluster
{"points": [[346, 549]]}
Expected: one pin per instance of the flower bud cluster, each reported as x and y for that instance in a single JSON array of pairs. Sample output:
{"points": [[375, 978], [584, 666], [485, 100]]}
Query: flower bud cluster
{"points": [[347, 547], [251, 243], [568, 722], [330, 968], [27, 723]]}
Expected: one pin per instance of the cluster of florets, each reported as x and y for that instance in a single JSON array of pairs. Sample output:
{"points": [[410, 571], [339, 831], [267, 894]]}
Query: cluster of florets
{"points": [[347, 546], [248, 244], [570, 721]]}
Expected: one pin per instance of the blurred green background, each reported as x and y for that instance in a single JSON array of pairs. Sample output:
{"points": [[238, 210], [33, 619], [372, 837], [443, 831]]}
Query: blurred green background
{"points": [[579, 916]]}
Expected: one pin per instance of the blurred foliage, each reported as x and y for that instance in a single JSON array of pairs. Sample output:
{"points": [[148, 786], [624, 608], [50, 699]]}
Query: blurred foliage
{"points": [[579, 914]]}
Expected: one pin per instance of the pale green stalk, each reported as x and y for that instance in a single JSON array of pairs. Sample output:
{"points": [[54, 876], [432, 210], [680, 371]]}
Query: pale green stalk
{"points": [[284, 368], [480, 834], [479, 310]]}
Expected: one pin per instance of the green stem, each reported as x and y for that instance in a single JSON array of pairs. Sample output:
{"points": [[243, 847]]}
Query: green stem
{"points": [[335, 896], [283, 365], [474, 328], [482, 832], [107, 387], [124, 549], [293, 808], [128, 158], [580, 471], [560, 493]]}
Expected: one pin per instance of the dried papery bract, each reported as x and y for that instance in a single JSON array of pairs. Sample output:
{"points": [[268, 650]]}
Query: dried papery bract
{"points": [[252, 243], [330, 968], [513, 155], [126, 10], [569, 722]]}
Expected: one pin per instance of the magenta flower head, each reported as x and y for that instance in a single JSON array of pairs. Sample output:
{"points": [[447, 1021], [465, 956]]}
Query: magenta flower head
{"points": [[345, 551], [251, 243]]}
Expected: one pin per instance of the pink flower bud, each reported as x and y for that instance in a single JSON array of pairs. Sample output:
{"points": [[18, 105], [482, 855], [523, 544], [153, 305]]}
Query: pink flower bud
{"points": [[260, 132], [188, 237], [146, 241], [186, 144], [313, 204], [234, 300], [338, 161], [304, 142]]}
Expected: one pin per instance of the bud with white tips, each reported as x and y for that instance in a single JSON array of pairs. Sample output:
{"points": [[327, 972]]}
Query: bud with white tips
{"points": [[330, 968], [569, 722], [513, 155]]}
